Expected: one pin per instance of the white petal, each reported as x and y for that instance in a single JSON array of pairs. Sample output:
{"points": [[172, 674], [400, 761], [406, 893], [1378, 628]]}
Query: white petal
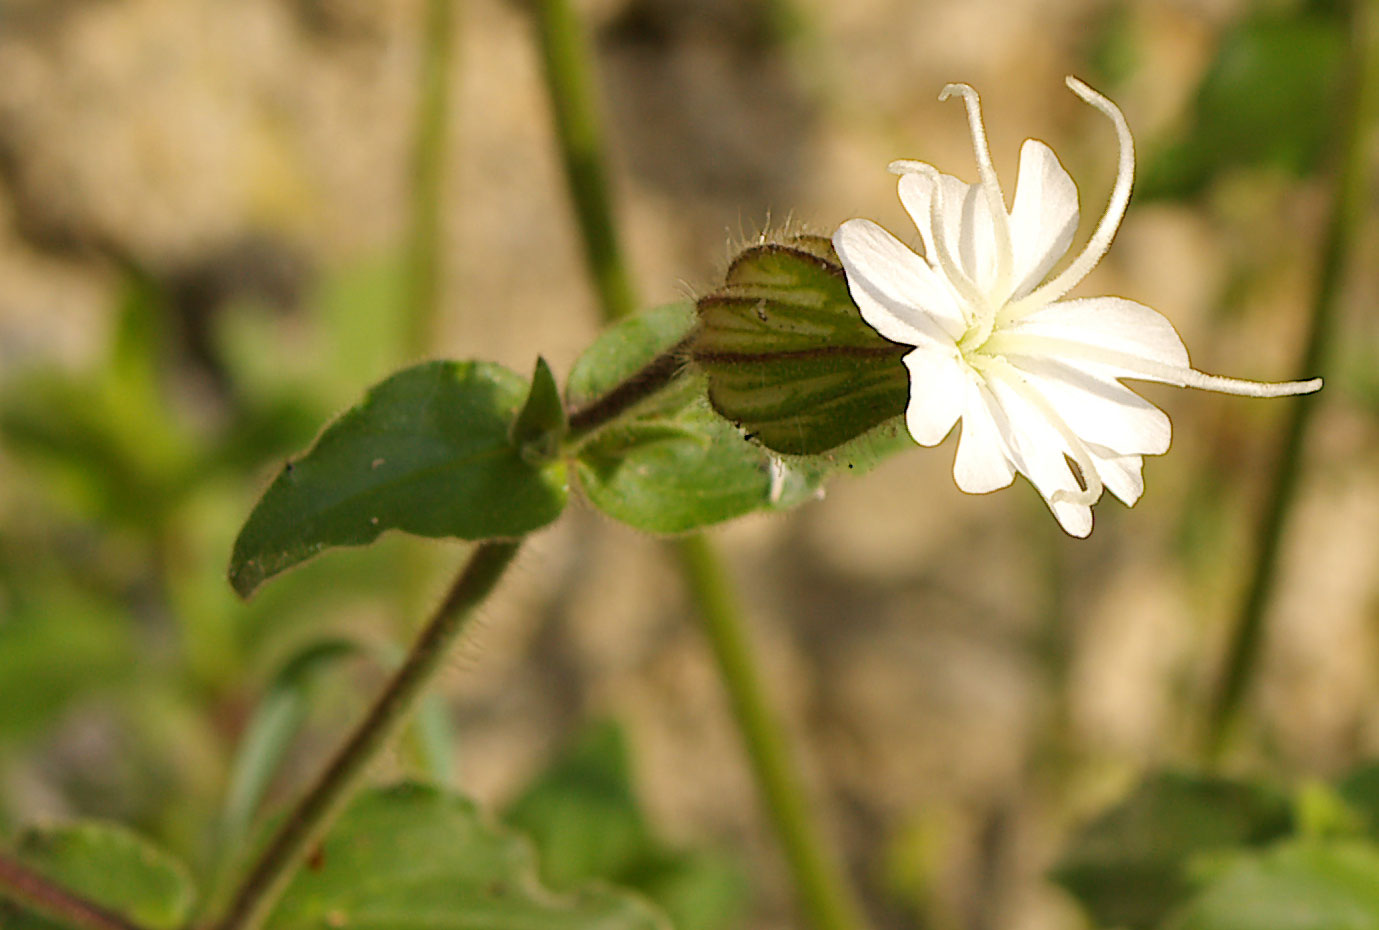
{"points": [[1113, 323], [1097, 408], [1122, 474], [938, 390], [1076, 519], [982, 462], [1043, 218], [964, 222], [899, 295], [1040, 453]]}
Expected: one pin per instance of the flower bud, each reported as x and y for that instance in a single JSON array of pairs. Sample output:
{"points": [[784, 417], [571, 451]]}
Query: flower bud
{"points": [[787, 355]]}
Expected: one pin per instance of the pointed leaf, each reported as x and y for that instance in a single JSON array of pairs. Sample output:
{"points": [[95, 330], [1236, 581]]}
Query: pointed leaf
{"points": [[427, 452], [541, 424]]}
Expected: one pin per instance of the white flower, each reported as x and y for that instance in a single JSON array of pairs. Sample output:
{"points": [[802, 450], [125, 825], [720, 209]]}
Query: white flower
{"points": [[1034, 378]]}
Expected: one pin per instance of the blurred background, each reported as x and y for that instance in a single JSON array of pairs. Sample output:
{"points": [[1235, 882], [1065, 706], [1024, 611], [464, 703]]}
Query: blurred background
{"points": [[204, 222]]}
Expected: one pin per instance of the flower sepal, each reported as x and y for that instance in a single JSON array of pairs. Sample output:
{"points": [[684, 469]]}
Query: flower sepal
{"points": [[788, 357]]}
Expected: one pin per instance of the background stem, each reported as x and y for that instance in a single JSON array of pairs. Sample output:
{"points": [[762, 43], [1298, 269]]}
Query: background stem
{"points": [[824, 894], [569, 83], [423, 249], [310, 817], [825, 897], [1347, 208]]}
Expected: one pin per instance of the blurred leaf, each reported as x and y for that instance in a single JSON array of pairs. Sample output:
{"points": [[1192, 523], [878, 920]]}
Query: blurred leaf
{"points": [[1130, 866], [699, 890], [106, 440], [788, 356], [1360, 789], [581, 812], [1297, 886], [427, 452], [110, 866], [98, 451], [56, 644], [271, 731], [584, 817], [417, 858], [1268, 99], [675, 465]]}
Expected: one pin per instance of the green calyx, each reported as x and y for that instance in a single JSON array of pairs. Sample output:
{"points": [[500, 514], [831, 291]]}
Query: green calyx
{"points": [[787, 355]]}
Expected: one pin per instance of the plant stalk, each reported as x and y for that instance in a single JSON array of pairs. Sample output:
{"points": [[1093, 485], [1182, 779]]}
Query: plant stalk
{"points": [[424, 235], [570, 84], [825, 898], [1347, 208], [308, 820], [824, 894], [31, 890]]}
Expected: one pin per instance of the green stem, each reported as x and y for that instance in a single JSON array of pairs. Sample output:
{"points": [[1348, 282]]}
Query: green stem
{"points": [[428, 175], [1348, 204], [824, 893], [308, 820], [31, 890], [569, 81]]}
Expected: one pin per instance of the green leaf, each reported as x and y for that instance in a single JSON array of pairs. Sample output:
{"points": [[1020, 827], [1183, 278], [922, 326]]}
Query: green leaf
{"points": [[426, 452], [1131, 865], [1297, 886], [672, 465], [583, 815], [417, 858], [1268, 99], [788, 356], [112, 867], [538, 429]]}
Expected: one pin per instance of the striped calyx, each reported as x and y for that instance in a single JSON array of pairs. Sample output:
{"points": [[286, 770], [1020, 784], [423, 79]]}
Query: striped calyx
{"points": [[787, 355]]}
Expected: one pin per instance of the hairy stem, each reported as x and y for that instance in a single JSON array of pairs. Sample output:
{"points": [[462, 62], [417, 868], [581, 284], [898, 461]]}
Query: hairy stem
{"points": [[309, 818], [33, 891], [1348, 204], [652, 378]]}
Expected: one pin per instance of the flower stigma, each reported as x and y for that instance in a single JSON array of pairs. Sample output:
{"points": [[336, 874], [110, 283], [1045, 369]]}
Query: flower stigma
{"points": [[1034, 379]]}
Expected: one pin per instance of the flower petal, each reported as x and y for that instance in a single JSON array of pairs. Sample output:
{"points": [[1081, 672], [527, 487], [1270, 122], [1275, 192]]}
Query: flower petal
{"points": [[938, 390], [1122, 474], [1113, 323], [964, 223], [1040, 453], [1096, 407], [899, 295], [982, 463], [1043, 218]]}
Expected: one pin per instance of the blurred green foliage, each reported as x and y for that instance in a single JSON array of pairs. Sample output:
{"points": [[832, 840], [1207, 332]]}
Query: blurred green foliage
{"points": [[1268, 99], [587, 824], [1193, 852]]}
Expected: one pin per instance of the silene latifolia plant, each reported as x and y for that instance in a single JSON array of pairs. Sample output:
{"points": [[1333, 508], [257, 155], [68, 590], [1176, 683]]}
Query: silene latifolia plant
{"points": [[815, 355], [807, 360]]}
